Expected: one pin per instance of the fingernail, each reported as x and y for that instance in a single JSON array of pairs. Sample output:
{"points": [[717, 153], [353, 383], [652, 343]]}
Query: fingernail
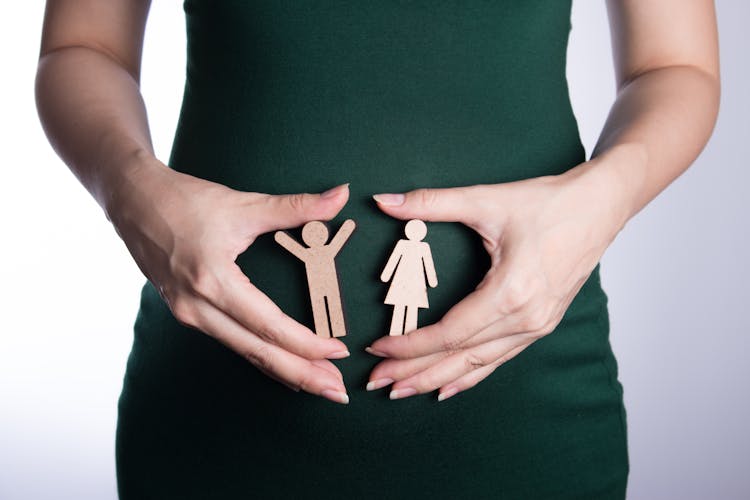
{"points": [[389, 199], [377, 384], [446, 394], [338, 355], [376, 353], [335, 396], [334, 191], [402, 393]]}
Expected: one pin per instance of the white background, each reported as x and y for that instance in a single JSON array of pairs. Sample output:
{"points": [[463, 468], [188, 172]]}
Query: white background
{"points": [[676, 278]]}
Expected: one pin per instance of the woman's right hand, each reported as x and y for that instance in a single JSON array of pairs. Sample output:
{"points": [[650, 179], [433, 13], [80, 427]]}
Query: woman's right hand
{"points": [[185, 234]]}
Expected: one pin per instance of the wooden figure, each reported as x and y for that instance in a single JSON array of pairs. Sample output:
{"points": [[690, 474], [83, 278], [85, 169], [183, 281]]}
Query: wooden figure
{"points": [[322, 279], [409, 264]]}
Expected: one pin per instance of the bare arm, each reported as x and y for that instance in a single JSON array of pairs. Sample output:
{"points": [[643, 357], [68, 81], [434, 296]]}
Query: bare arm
{"points": [[87, 91], [429, 266], [288, 242], [390, 266], [183, 232], [542, 235], [341, 236], [668, 89]]}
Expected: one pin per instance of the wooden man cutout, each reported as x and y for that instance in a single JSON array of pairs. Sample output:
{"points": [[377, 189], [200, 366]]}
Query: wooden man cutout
{"points": [[322, 279], [409, 264]]}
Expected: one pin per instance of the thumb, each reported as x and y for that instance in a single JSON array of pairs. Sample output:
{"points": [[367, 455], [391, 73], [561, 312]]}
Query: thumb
{"points": [[292, 210], [458, 204]]}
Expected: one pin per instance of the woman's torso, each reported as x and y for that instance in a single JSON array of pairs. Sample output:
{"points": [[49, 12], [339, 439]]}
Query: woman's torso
{"points": [[299, 96]]}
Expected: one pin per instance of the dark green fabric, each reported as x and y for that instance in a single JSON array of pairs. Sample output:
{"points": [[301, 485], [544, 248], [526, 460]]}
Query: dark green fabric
{"points": [[290, 96]]}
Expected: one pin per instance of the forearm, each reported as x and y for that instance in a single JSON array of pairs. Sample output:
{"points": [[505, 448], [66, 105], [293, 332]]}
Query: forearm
{"points": [[659, 123], [94, 116]]}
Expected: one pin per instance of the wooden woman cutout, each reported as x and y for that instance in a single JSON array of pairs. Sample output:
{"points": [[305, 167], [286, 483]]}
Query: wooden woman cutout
{"points": [[411, 260], [322, 279]]}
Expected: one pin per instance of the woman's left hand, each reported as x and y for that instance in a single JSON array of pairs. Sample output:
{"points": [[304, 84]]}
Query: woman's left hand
{"points": [[544, 235]]}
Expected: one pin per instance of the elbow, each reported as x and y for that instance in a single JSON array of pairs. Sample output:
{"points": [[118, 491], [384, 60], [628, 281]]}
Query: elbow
{"points": [[700, 86], [42, 95], [710, 78], [98, 50]]}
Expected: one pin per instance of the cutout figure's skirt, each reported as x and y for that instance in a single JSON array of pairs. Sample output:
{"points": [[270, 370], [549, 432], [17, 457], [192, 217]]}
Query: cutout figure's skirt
{"points": [[288, 96]]}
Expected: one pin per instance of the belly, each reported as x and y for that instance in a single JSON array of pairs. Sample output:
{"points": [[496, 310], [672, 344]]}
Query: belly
{"points": [[283, 101]]}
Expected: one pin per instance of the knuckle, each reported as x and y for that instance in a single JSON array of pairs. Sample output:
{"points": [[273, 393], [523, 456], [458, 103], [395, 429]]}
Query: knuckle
{"points": [[262, 357], [451, 342], [306, 382], [426, 197], [268, 332], [547, 328], [482, 198], [254, 198], [544, 321], [473, 361], [534, 322], [429, 380], [256, 204], [513, 298], [184, 311], [297, 202], [501, 361], [205, 283]]}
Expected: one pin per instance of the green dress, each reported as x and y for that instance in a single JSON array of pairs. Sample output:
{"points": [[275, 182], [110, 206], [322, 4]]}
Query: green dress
{"points": [[286, 96]]}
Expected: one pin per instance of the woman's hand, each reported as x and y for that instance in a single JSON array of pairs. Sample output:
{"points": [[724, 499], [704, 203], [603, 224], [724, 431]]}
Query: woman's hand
{"points": [[544, 235], [185, 234]]}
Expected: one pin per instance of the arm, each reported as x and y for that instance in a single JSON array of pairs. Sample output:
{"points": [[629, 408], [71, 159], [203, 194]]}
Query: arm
{"points": [[390, 266], [183, 232], [543, 238], [288, 242], [429, 266], [668, 92], [87, 91], [342, 235]]}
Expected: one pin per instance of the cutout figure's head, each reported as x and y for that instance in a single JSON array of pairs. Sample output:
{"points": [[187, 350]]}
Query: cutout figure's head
{"points": [[415, 230], [315, 234]]}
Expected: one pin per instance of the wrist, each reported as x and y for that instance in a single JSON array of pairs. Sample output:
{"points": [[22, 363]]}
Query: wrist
{"points": [[616, 175], [125, 186]]}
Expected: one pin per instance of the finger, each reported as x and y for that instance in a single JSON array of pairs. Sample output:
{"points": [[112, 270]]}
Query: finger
{"points": [[474, 377], [327, 365], [498, 295], [538, 318], [292, 370], [455, 366], [533, 321], [472, 314], [234, 294], [390, 370], [536, 321], [292, 210], [460, 204]]}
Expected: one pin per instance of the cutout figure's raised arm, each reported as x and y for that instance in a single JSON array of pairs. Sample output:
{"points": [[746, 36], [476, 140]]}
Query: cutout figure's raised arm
{"points": [[390, 266], [288, 242], [429, 266], [342, 235]]}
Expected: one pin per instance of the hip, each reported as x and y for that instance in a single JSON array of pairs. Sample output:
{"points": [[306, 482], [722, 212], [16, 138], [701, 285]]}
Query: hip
{"points": [[551, 414]]}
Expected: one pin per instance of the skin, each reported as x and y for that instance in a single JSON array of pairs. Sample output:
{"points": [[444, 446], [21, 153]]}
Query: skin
{"points": [[540, 233], [185, 233]]}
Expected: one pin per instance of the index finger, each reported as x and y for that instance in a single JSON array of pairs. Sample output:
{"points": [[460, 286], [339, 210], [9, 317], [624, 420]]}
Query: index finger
{"points": [[468, 317], [253, 309]]}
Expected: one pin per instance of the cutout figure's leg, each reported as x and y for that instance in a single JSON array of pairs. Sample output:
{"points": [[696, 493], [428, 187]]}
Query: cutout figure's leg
{"points": [[320, 316], [336, 314], [411, 319], [397, 321]]}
